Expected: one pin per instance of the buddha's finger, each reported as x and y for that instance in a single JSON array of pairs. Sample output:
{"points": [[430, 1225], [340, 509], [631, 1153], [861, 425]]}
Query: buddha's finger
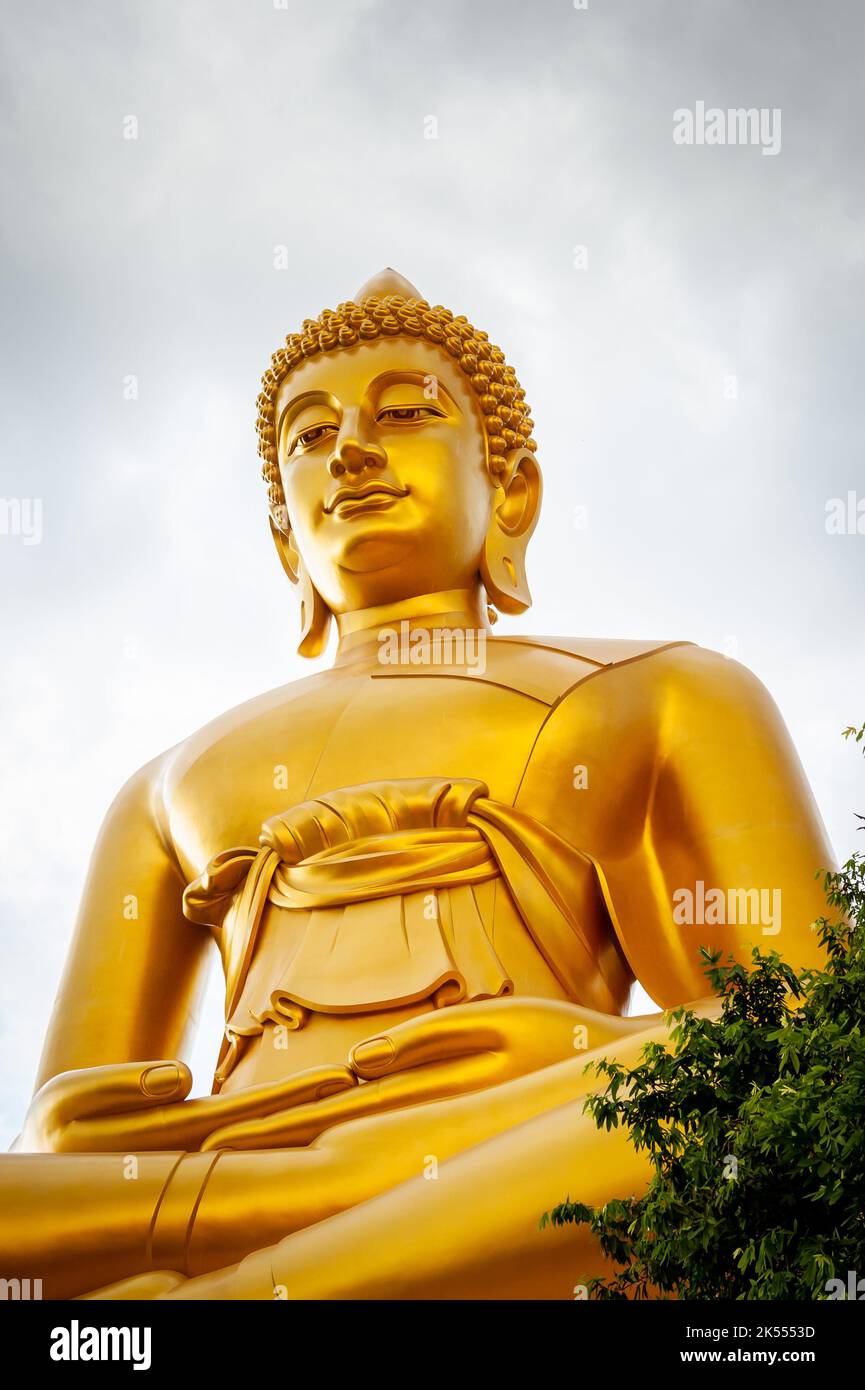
{"points": [[186, 1126], [110, 1090], [299, 1127], [430, 1037]]}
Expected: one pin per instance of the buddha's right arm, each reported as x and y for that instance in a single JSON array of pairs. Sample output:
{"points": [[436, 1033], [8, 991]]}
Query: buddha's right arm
{"points": [[135, 970]]}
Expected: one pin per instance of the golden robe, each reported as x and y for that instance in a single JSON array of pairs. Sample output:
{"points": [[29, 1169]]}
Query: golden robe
{"points": [[382, 895]]}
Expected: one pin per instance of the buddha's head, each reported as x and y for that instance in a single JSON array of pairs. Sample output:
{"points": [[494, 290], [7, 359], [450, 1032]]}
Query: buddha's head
{"points": [[398, 457]]}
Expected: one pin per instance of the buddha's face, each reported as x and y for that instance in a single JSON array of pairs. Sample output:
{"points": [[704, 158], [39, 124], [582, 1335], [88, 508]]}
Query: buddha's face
{"points": [[382, 455]]}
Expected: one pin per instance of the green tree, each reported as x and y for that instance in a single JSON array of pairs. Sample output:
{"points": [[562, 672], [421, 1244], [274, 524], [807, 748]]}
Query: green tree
{"points": [[754, 1124]]}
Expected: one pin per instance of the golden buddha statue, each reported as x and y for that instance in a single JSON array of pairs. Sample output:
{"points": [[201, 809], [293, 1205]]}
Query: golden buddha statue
{"points": [[433, 872]]}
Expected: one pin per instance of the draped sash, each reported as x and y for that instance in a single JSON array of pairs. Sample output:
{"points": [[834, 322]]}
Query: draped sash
{"points": [[367, 898]]}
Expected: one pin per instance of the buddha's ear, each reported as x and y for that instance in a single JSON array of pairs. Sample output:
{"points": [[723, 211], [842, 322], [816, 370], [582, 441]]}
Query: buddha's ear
{"points": [[503, 565], [315, 615], [286, 549]]}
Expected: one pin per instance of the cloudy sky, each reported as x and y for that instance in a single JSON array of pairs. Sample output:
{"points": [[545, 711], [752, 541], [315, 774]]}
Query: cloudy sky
{"points": [[694, 371]]}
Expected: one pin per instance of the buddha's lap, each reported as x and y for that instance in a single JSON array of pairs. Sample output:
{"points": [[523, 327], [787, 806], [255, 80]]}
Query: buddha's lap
{"points": [[279, 1053]]}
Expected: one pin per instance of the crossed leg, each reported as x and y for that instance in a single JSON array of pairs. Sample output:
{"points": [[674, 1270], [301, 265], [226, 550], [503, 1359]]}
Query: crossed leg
{"points": [[468, 1180]]}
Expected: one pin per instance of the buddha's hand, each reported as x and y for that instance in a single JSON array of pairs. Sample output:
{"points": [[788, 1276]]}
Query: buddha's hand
{"points": [[448, 1052], [134, 1106]]}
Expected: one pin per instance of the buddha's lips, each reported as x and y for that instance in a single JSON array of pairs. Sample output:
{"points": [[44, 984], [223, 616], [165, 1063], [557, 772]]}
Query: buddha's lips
{"points": [[359, 494]]}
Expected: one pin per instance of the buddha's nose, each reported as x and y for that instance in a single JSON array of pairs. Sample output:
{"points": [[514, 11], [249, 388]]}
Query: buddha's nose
{"points": [[354, 454]]}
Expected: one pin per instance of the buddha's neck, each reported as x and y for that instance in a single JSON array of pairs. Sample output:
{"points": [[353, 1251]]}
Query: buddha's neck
{"points": [[361, 632]]}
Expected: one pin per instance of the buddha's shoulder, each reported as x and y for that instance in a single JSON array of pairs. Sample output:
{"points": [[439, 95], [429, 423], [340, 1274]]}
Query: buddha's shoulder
{"points": [[263, 730], [554, 669], [289, 725], [630, 685], [626, 686], [227, 776], [596, 651], [546, 669], [565, 660]]}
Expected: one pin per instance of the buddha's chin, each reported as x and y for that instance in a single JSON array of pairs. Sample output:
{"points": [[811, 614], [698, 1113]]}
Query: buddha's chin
{"points": [[376, 550]]}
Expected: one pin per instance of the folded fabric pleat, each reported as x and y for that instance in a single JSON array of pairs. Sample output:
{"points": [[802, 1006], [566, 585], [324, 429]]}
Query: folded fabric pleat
{"points": [[367, 896]]}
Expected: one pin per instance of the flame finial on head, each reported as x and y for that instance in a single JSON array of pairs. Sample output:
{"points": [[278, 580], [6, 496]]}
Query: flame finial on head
{"points": [[387, 281]]}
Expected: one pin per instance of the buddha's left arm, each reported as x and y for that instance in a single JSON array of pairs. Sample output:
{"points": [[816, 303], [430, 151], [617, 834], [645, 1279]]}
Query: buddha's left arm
{"points": [[731, 839]]}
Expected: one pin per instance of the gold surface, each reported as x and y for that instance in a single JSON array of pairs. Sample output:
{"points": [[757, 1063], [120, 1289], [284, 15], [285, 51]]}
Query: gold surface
{"points": [[432, 879]]}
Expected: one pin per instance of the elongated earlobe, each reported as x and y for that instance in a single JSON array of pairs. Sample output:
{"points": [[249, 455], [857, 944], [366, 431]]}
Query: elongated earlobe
{"points": [[503, 565], [315, 616]]}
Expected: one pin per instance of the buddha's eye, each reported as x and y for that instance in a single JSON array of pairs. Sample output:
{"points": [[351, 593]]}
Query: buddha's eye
{"points": [[408, 414], [309, 438]]}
